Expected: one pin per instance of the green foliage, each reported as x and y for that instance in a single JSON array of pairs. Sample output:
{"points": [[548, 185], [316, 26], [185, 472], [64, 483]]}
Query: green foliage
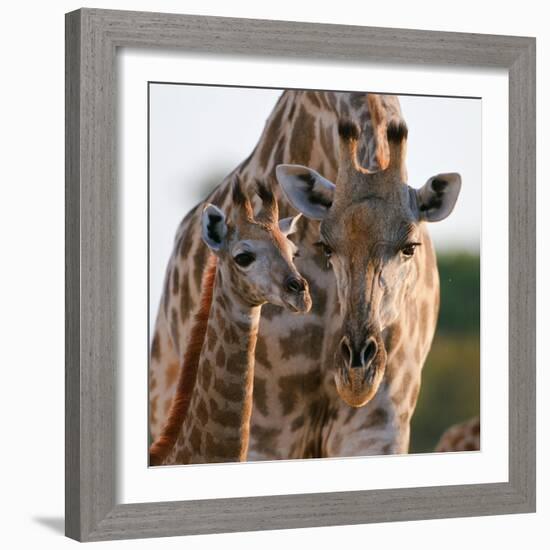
{"points": [[451, 377], [459, 281]]}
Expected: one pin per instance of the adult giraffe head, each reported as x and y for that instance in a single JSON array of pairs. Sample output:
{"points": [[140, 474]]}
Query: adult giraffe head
{"points": [[257, 259], [371, 226]]}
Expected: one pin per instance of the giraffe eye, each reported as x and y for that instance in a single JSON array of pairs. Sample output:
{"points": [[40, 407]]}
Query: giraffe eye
{"points": [[244, 259], [409, 249], [327, 251]]}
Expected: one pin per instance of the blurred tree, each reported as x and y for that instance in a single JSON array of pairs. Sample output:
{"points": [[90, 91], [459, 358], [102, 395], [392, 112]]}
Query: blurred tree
{"points": [[451, 378], [459, 276]]}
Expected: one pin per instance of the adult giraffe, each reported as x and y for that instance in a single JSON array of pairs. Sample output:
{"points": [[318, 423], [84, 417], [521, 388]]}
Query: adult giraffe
{"points": [[373, 233], [298, 412]]}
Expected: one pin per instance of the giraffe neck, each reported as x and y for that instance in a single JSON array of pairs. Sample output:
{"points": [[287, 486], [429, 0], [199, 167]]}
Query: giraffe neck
{"points": [[216, 427], [164, 443], [299, 128], [303, 129]]}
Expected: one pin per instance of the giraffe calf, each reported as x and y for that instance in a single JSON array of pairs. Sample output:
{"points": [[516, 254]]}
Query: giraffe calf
{"points": [[252, 264]]}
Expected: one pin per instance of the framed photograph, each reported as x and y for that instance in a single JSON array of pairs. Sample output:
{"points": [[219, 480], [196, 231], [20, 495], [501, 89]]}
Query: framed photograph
{"points": [[300, 275]]}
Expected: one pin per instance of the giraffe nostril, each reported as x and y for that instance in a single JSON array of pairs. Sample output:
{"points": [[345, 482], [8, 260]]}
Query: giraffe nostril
{"points": [[355, 357], [345, 351], [369, 351], [293, 284]]}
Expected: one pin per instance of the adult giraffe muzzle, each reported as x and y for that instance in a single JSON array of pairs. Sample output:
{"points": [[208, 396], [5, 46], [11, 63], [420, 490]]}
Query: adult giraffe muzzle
{"points": [[372, 232]]}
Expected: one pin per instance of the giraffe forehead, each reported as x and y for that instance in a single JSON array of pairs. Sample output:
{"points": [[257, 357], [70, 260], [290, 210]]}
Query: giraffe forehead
{"points": [[267, 234], [367, 223]]}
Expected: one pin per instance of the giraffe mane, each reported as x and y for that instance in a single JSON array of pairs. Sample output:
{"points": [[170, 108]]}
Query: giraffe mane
{"points": [[160, 448]]}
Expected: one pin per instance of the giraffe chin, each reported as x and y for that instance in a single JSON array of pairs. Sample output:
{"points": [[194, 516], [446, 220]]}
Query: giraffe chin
{"points": [[300, 303], [358, 385]]}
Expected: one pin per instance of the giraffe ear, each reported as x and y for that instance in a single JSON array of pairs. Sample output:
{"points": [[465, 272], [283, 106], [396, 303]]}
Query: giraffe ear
{"points": [[214, 227], [306, 190], [289, 225], [437, 197]]}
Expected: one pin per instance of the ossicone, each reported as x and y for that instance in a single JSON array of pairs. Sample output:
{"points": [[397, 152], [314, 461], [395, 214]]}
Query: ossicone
{"points": [[397, 131], [349, 130]]}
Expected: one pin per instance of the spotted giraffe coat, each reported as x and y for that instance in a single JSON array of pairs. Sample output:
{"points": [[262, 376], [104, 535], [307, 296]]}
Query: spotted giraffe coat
{"points": [[297, 412]]}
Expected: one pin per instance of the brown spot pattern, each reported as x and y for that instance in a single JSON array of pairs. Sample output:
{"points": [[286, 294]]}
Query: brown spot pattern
{"points": [[261, 353], [175, 329], [376, 418], [295, 386], [313, 99], [166, 292], [401, 394], [351, 413], [218, 451], [237, 361], [172, 372], [175, 280], [211, 338], [309, 337], [279, 155], [224, 417], [202, 412], [327, 144], [154, 405], [206, 374], [185, 298], [230, 334], [185, 245], [155, 347], [318, 295], [220, 357], [392, 337], [195, 438], [270, 136], [230, 391], [260, 395], [400, 354], [300, 141], [297, 423], [265, 438], [269, 311]]}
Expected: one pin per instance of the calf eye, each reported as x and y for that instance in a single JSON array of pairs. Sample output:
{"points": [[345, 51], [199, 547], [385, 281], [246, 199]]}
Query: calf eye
{"points": [[244, 259]]}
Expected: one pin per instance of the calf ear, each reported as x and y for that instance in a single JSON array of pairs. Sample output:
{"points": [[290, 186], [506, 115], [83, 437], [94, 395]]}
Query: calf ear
{"points": [[289, 225], [437, 197], [306, 190], [214, 227]]}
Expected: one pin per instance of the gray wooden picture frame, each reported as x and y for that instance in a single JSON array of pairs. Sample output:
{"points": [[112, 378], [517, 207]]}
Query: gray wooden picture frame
{"points": [[92, 39]]}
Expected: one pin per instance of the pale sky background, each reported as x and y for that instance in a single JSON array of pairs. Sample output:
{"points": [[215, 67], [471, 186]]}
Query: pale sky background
{"points": [[198, 134]]}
